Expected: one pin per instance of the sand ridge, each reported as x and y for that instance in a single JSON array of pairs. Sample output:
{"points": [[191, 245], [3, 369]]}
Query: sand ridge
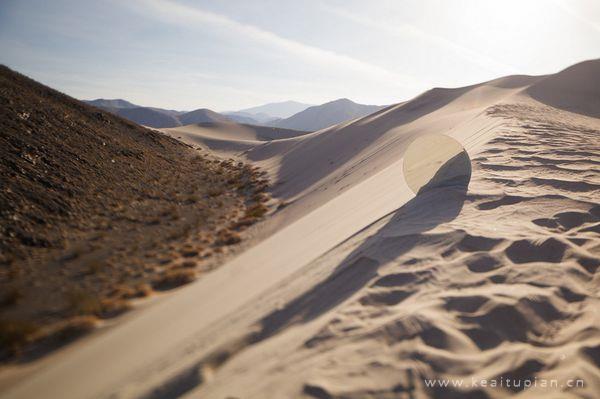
{"points": [[498, 283], [495, 284]]}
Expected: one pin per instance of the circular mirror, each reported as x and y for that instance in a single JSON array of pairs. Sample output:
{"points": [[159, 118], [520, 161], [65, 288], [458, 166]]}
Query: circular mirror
{"points": [[436, 160]]}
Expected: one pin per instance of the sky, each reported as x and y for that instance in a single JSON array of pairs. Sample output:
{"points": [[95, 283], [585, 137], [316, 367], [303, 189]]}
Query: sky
{"points": [[230, 55]]}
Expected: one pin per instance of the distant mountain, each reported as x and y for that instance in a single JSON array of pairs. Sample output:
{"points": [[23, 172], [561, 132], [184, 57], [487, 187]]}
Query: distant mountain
{"points": [[575, 89], [253, 119], [116, 103], [309, 118], [325, 115], [275, 110], [242, 117], [167, 111], [202, 115], [146, 116], [157, 117], [264, 118]]}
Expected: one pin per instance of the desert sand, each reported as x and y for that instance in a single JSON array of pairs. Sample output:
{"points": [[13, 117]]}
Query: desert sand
{"points": [[358, 288]]}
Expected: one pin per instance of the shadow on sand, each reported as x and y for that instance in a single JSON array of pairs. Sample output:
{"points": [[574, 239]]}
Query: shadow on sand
{"points": [[437, 202]]}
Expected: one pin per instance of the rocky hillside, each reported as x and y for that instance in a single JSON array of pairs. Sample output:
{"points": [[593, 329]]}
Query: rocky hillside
{"points": [[95, 209]]}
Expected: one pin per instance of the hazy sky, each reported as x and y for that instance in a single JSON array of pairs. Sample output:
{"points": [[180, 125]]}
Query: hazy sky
{"points": [[228, 55]]}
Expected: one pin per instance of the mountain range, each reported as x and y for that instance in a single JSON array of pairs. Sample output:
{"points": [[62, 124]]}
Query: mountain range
{"points": [[282, 110], [287, 114], [321, 116]]}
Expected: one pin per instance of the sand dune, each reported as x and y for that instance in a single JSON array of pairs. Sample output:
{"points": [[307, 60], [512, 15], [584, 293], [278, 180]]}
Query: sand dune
{"points": [[229, 138], [495, 284], [360, 289], [574, 89], [318, 166]]}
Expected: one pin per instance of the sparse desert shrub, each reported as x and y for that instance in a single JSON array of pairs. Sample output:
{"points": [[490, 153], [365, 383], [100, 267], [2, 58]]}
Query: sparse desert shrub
{"points": [[260, 187], [173, 278], [67, 330], [13, 272], [122, 292], [164, 260], [243, 223], [192, 199], [95, 266], [215, 191], [256, 210], [189, 252], [179, 232], [242, 185], [14, 334], [11, 297], [82, 303], [142, 290], [189, 264], [260, 197], [112, 308], [227, 237], [127, 292], [44, 340]]}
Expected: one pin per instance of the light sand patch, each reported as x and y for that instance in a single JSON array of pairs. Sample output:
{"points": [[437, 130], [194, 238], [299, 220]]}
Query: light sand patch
{"points": [[435, 160]]}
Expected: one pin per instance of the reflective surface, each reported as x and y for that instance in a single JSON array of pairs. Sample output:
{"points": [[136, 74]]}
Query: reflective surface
{"points": [[436, 160]]}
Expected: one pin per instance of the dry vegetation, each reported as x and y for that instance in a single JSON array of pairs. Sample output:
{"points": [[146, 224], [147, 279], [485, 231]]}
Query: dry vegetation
{"points": [[95, 210]]}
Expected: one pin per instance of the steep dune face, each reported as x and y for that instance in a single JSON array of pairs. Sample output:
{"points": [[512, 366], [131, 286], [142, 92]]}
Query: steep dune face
{"points": [[451, 285], [575, 89], [310, 169], [497, 284], [314, 168]]}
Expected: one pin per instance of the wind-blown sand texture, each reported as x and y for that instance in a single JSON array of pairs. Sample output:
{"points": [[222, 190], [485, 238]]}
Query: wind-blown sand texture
{"points": [[360, 289]]}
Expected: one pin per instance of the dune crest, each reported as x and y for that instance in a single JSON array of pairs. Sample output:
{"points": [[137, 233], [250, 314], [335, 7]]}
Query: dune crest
{"points": [[496, 283], [575, 89]]}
